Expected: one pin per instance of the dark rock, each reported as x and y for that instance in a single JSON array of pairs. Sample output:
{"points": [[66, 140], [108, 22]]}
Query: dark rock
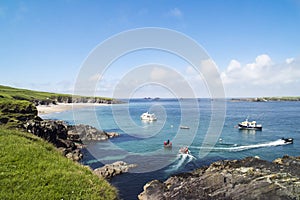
{"points": [[110, 170], [3, 120], [49, 130], [68, 138], [249, 178], [56, 132]]}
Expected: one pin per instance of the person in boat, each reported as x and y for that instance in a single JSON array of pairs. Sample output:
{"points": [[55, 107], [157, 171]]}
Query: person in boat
{"points": [[167, 143], [184, 150]]}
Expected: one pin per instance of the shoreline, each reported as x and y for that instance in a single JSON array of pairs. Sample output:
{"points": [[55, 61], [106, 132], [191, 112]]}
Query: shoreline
{"points": [[61, 107]]}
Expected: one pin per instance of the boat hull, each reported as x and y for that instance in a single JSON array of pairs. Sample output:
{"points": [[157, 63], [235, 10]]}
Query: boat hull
{"points": [[288, 140], [148, 117], [184, 127], [242, 127]]}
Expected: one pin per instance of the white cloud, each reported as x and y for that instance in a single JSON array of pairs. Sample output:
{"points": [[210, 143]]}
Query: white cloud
{"points": [[175, 12], [289, 60], [233, 65], [262, 77]]}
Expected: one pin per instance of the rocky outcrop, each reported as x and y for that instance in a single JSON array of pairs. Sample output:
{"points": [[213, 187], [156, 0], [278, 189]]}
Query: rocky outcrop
{"points": [[67, 138], [56, 132], [110, 170], [89, 133], [250, 178]]}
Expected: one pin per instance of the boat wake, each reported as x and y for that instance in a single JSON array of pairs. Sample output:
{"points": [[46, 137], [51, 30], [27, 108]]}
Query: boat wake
{"points": [[182, 160], [237, 148]]}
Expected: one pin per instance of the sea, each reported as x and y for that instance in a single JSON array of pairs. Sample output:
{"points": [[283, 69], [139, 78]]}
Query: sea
{"points": [[212, 135]]}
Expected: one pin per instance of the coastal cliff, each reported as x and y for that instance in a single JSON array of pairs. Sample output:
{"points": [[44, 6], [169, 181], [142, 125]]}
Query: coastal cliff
{"points": [[18, 110], [47, 98], [249, 178]]}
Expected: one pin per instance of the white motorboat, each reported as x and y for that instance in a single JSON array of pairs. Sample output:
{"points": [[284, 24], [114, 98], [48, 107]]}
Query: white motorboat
{"points": [[148, 116]]}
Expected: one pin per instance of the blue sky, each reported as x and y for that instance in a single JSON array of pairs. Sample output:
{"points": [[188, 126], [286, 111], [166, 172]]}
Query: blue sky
{"points": [[254, 43]]}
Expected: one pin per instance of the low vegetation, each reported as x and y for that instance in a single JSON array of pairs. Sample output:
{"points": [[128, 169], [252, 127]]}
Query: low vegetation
{"points": [[14, 112], [33, 169], [46, 97]]}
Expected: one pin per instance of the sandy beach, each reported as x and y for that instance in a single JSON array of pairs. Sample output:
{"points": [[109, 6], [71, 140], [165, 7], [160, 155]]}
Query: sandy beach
{"points": [[60, 107]]}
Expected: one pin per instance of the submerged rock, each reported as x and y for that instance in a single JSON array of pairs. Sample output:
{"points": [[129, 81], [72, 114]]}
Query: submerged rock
{"points": [[110, 170], [250, 178], [89, 133]]}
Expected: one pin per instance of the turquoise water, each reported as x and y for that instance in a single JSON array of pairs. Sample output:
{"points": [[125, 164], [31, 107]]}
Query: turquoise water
{"points": [[142, 142]]}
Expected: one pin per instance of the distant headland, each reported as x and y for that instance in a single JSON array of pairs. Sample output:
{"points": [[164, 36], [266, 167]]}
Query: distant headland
{"points": [[265, 99]]}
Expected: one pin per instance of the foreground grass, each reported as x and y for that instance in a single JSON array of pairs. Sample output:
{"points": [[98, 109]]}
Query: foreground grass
{"points": [[30, 168]]}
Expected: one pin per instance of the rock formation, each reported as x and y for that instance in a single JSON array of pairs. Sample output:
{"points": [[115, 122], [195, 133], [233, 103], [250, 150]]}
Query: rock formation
{"points": [[67, 138], [250, 178], [56, 132], [110, 170]]}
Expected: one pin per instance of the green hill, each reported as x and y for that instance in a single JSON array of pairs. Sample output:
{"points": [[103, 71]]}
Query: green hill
{"points": [[33, 169], [18, 105], [38, 97]]}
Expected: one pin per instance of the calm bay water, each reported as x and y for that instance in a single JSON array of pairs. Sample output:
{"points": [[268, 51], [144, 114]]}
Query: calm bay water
{"points": [[142, 143]]}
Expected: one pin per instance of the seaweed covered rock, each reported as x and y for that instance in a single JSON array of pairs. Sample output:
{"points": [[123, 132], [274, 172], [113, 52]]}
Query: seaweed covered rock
{"points": [[249, 178]]}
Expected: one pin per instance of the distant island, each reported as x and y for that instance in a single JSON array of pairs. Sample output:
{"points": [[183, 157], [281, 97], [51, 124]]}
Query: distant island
{"points": [[265, 99]]}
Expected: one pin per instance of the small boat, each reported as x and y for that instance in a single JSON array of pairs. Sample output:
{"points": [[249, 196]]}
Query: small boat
{"points": [[184, 150], [184, 127], [167, 144], [148, 116], [246, 125], [288, 140]]}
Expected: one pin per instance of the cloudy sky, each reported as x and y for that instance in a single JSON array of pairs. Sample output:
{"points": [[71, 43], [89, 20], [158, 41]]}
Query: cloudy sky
{"points": [[254, 44]]}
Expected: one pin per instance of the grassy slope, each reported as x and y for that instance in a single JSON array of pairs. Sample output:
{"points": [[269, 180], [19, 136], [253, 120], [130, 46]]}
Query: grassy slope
{"points": [[30, 168], [30, 95]]}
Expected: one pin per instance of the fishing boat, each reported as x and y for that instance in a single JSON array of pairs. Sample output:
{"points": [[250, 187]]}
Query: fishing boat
{"points": [[246, 125], [148, 116]]}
